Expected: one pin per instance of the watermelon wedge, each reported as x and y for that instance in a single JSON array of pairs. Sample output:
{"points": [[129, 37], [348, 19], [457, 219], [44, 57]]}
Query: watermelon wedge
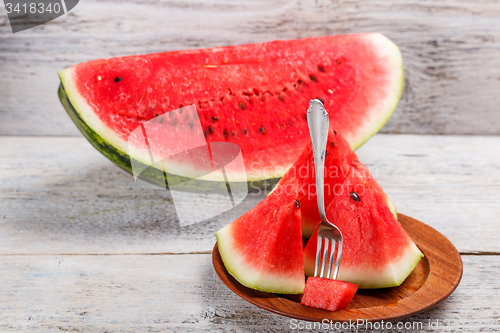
{"points": [[377, 251], [328, 294], [263, 248], [260, 248], [255, 96], [339, 161]]}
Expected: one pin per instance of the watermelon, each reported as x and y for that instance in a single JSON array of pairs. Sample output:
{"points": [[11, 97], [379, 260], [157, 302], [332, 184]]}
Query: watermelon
{"points": [[263, 248], [254, 96], [328, 294], [377, 252], [338, 162]]}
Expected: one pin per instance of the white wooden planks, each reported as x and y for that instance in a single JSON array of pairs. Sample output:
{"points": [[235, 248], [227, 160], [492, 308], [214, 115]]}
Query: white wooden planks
{"points": [[60, 196], [450, 52], [181, 293]]}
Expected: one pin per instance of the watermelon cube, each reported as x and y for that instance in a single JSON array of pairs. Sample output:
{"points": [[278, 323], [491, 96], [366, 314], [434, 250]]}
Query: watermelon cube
{"points": [[328, 294]]}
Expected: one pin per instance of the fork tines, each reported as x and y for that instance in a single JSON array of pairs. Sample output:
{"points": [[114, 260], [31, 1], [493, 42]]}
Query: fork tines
{"points": [[335, 251]]}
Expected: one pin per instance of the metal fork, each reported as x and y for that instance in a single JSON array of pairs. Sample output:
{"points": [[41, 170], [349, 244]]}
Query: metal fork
{"points": [[317, 119]]}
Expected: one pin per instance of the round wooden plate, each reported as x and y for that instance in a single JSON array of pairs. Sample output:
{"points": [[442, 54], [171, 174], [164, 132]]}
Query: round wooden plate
{"points": [[435, 278]]}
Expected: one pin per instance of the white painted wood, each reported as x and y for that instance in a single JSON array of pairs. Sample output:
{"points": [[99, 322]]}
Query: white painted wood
{"points": [[450, 50], [451, 183], [60, 196], [181, 293]]}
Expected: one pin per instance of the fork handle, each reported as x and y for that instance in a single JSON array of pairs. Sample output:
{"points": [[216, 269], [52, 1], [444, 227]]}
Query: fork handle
{"points": [[317, 119]]}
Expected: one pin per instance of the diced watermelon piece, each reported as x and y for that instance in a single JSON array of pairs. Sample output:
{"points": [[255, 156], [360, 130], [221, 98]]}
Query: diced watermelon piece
{"points": [[328, 294]]}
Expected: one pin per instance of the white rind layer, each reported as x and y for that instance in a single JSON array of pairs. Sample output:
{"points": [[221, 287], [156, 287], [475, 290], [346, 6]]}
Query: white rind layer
{"points": [[390, 276], [250, 276], [378, 114], [86, 112]]}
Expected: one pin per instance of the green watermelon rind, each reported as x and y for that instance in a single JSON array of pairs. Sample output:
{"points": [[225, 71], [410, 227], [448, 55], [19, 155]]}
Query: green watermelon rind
{"points": [[123, 160], [115, 148], [249, 276]]}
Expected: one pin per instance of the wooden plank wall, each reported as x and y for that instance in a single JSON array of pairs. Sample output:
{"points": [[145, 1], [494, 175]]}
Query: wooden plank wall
{"points": [[450, 50]]}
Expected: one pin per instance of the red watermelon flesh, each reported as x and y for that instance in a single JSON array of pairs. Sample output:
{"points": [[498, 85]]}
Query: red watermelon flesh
{"points": [[263, 248], [328, 294], [253, 95], [338, 161], [377, 252]]}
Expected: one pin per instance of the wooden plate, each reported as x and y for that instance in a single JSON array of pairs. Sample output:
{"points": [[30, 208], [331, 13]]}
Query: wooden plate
{"points": [[435, 278]]}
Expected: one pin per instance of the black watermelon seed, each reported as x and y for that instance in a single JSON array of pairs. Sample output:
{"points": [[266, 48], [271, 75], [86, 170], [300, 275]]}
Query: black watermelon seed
{"points": [[214, 118], [313, 78], [280, 97], [321, 69], [354, 196], [245, 131], [118, 79], [339, 62], [321, 100], [225, 133], [241, 105], [234, 133], [174, 122], [297, 203], [210, 129], [334, 131], [262, 130]]}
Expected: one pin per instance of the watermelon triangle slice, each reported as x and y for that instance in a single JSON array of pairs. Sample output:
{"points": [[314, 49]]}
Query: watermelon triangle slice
{"points": [[339, 161], [377, 251], [263, 248], [254, 95]]}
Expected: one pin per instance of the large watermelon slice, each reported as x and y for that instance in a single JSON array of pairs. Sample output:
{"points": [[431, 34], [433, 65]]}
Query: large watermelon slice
{"points": [[263, 248], [253, 95]]}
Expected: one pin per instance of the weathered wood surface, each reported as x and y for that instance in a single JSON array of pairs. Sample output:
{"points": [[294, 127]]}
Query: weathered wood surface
{"points": [[450, 51], [83, 249], [181, 293], [60, 196]]}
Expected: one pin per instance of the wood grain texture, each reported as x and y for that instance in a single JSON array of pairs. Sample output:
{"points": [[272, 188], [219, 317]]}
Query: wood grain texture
{"points": [[181, 293], [60, 196], [450, 50]]}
